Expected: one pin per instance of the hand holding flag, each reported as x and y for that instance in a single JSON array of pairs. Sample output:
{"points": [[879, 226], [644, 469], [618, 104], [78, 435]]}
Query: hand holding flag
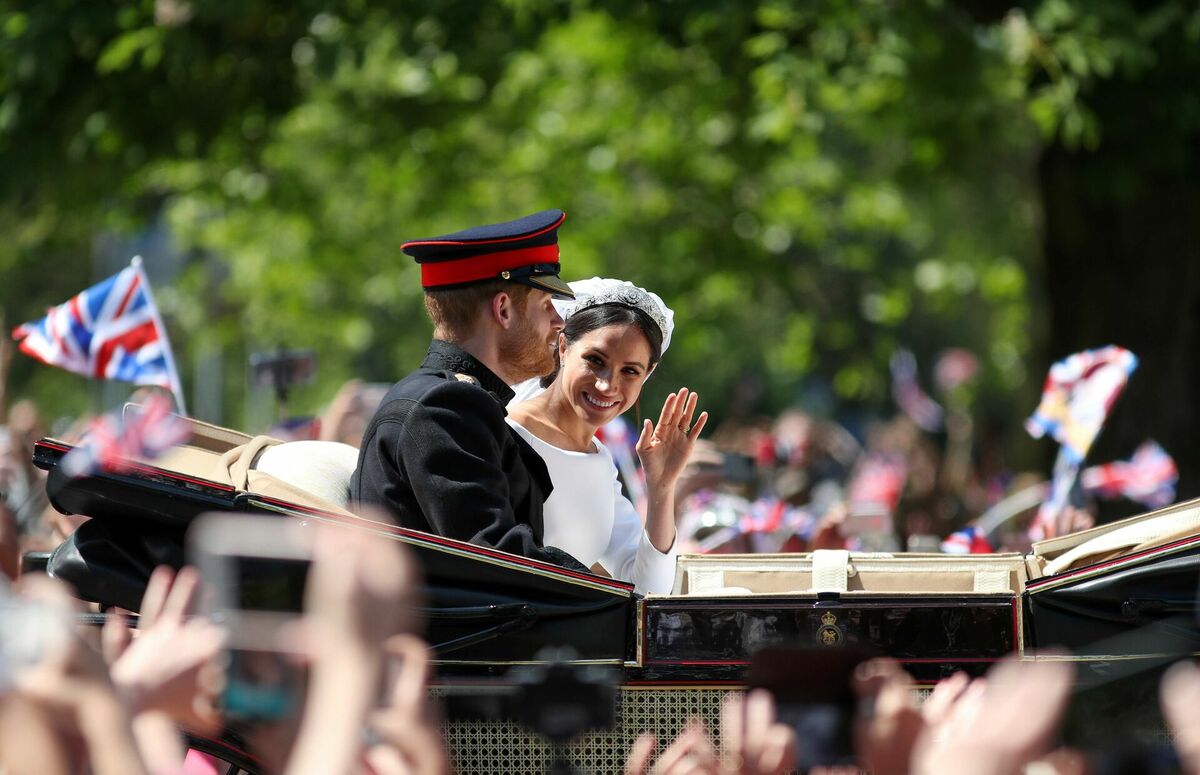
{"points": [[1077, 396]]}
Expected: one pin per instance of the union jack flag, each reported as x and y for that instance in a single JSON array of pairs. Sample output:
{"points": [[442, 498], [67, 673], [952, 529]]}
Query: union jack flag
{"points": [[969, 540], [109, 331], [1148, 477], [1078, 393], [114, 443]]}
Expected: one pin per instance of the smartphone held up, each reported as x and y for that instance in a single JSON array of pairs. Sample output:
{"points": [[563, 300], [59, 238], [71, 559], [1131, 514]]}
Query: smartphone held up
{"points": [[256, 569], [812, 688]]}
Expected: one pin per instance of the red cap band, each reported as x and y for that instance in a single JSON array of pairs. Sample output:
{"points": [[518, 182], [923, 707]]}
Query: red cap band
{"points": [[485, 267]]}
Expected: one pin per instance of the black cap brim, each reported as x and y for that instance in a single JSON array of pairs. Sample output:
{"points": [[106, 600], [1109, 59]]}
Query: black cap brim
{"points": [[550, 283]]}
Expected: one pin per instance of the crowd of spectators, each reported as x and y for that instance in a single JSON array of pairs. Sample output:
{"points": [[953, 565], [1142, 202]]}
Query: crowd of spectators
{"points": [[111, 699], [796, 482]]}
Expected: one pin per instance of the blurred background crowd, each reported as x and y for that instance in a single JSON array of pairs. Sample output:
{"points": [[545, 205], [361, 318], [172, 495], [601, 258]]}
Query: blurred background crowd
{"points": [[813, 190]]}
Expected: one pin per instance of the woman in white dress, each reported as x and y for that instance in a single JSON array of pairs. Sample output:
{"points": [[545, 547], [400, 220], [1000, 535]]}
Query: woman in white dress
{"points": [[614, 335]]}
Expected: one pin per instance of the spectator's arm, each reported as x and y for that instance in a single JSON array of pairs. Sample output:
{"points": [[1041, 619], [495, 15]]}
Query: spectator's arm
{"points": [[72, 684], [357, 596]]}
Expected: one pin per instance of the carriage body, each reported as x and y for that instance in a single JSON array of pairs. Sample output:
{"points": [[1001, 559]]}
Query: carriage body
{"points": [[1122, 613]]}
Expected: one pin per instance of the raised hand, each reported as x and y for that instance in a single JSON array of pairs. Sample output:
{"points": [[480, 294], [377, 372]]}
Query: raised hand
{"points": [[358, 596], [665, 448], [409, 738], [72, 685], [996, 726], [169, 667], [754, 741], [884, 737], [690, 753]]}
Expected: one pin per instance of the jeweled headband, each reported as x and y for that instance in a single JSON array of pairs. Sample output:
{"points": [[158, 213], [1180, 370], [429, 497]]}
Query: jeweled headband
{"points": [[603, 290]]}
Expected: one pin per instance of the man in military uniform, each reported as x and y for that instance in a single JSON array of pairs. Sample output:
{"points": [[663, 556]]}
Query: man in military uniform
{"points": [[438, 453]]}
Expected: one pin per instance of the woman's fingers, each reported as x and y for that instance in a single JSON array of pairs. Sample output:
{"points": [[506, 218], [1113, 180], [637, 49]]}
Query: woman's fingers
{"points": [[647, 434], [678, 410], [682, 408], [689, 408], [668, 409], [698, 426]]}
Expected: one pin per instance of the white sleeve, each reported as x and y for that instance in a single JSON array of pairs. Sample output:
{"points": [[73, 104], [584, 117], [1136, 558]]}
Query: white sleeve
{"points": [[630, 556]]}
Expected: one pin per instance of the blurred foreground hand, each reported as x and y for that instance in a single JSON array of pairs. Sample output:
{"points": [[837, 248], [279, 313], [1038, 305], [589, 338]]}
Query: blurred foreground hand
{"points": [[998, 725]]}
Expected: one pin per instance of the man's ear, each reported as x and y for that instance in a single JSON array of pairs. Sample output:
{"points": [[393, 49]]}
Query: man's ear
{"points": [[502, 311]]}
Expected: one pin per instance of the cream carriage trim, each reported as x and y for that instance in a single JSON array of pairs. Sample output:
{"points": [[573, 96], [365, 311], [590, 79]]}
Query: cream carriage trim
{"points": [[849, 573]]}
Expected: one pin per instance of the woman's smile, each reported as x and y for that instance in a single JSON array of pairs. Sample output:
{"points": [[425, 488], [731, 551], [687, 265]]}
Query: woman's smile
{"points": [[597, 402]]}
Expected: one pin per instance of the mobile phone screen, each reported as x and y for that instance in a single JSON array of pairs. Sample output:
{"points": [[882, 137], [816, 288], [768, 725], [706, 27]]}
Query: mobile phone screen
{"points": [[269, 583], [261, 686], [813, 694]]}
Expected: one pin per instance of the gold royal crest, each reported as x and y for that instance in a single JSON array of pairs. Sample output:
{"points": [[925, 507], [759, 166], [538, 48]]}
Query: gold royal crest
{"points": [[829, 634]]}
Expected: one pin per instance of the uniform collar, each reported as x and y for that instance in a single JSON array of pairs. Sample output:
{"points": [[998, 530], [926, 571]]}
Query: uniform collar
{"points": [[447, 356]]}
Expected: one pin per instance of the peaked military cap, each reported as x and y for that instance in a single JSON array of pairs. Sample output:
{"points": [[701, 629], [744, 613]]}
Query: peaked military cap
{"points": [[523, 251]]}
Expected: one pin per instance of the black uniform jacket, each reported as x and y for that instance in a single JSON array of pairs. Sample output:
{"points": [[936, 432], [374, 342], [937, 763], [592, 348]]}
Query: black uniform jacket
{"points": [[440, 457]]}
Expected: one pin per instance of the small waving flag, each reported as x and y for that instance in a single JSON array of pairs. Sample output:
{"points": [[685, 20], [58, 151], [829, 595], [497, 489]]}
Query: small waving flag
{"points": [[109, 331], [969, 540], [1076, 398], [1148, 477], [114, 443], [909, 396], [1078, 393]]}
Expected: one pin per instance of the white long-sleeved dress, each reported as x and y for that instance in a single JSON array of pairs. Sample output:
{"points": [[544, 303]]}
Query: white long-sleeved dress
{"points": [[589, 517]]}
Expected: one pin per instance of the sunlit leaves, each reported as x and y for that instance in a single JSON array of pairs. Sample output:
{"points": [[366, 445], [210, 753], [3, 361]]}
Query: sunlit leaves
{"points": [[808, 185]]}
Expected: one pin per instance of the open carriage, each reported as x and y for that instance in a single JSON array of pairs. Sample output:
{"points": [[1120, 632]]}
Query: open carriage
{"points": [[1118, 599]]}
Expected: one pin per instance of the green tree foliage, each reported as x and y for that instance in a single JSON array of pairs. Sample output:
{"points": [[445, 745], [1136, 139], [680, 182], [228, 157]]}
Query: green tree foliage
{"points": [[809, 185]]}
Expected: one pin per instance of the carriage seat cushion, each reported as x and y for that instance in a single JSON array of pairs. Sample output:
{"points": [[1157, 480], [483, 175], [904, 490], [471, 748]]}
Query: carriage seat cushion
{"points": [[322, 468]]}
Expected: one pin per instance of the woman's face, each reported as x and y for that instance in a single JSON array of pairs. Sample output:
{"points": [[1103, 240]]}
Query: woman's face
{"points": [[603, 371]]}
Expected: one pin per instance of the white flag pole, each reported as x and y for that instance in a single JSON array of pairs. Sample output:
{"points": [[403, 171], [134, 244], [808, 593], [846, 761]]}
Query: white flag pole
{"points": [[172, 372]]}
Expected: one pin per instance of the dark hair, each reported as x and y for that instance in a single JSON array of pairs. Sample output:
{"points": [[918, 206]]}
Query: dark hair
{"points": [[601, 316]]}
